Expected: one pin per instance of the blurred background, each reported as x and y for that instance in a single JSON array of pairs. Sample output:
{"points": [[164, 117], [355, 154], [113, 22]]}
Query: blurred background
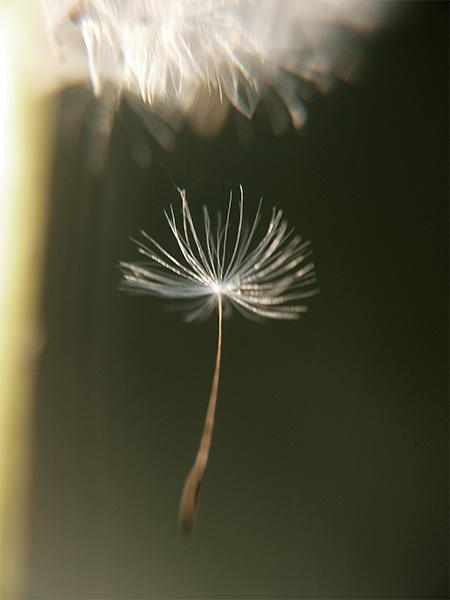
{"points": [[328, 475]]}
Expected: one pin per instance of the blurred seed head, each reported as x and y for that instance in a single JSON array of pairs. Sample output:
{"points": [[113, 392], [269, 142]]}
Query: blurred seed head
{"points": [[178, 60]]}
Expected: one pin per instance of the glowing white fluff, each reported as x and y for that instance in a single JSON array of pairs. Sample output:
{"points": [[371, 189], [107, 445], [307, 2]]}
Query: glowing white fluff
{"points": [[168, 52]]}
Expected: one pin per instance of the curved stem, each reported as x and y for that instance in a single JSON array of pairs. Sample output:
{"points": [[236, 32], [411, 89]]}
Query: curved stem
{"points": [[191, 489]]}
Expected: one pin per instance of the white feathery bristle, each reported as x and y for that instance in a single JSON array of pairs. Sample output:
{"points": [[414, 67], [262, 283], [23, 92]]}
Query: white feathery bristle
{"points": [[263, 279]]}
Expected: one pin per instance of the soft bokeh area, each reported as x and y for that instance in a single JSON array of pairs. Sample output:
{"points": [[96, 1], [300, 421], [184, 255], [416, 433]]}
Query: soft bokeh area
{"points": [[328, 471]]}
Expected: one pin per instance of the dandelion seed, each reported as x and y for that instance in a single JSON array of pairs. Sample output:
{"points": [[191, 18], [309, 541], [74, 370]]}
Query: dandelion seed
{"points": [[262, 280]]}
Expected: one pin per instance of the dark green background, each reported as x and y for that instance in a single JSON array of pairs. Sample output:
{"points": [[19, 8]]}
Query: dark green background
{"points": [[328, 474]]}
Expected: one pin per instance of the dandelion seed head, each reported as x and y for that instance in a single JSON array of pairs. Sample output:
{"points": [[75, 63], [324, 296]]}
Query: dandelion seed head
{"points": [[264, 279], [172, 58]]}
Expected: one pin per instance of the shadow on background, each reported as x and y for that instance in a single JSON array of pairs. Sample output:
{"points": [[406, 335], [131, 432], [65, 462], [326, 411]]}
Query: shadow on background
{"points": [[328, 473]]}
